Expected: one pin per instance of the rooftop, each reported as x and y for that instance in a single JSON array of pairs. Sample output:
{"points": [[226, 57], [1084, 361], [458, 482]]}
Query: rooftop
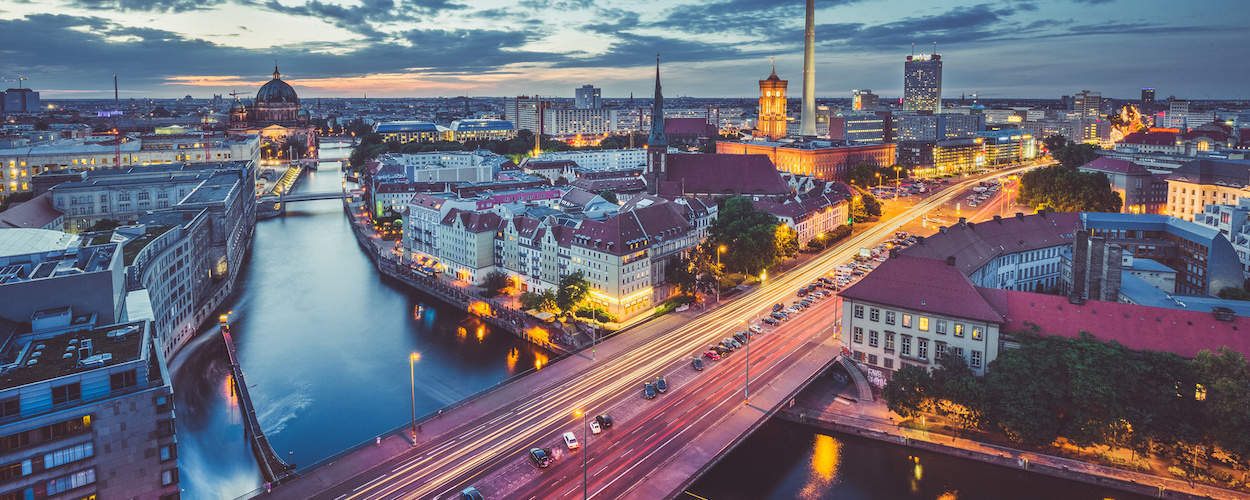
{"points": [[975, 244], [33, 359], [1105, 164], [22, 241], [34, 213], [923, 284], [215, 189]]}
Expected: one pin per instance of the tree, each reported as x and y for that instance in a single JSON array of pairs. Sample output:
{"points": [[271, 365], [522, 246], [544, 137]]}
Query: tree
{"points": [[864, 207], [958, 392], [680, 272], [864, 174], [1224, 380], [1029, 408], [786, 241], [1064, 189], [1234, 293], [542, 301], [496, 283], [571, 290], [748, 235], [610, 196], [908, 393], [105, 225], [1054, 142]]}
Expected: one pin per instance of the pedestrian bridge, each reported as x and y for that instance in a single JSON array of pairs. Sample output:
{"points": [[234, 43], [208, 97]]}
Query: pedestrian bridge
{"points": [[328, 195]]}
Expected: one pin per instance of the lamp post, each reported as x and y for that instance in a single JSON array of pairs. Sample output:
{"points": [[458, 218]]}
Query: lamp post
{"points": [[585, 449], [719, 250], [898, 181], [746, 388], [412, 378]]}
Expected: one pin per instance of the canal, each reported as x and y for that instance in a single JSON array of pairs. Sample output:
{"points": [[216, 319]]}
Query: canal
{"points": [[324, 343]]}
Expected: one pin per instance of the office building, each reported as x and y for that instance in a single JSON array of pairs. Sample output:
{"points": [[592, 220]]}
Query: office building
{"points": [[772, 108], [1203, 258], [1147, 98], [1142, 191], [864, 100], [480, 130], [407, 131], [603, 159], [922, 83], [587, 97], [926, 126], [20, 101], [522, 111], [858, 128], [1087, 104]]}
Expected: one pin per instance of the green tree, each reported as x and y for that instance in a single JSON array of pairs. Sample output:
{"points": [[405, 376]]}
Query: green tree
{"points": [[786, 241], [1225, 391], [909, 391], [1055, 142], [542, 301], [958, 392], [1026, 389], [1064, 189], [571, 290], [105, 225], [680, 272], [609, 195], [748, 235], [496, 283], [865, 174]]}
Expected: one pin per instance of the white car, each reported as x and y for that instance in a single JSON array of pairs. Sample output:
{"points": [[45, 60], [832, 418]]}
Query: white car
{"points": [[594, 427], [757, 329], [571, 441]]}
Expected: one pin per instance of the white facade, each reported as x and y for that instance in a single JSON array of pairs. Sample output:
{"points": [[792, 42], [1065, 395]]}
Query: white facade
{"points": [[889, 337], [605, 159]]}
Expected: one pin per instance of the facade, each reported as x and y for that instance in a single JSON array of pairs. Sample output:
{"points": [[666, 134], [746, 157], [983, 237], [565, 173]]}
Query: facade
{"points": [[170, 258], [822, 159], [1012, 253], [604, 159], [19, 101], [864, 100], [587, 97], [466, 244], [88, 411], [522, 111], [1198, 183], [407, 131], [912, 127], [810, 215], [1204, 259], [922, 83], [1231, 221], [989, 148], [36, 213], [772, 109], [1143, 192], [480, 130], [1086, 104], [859, 128], [276, 117]]}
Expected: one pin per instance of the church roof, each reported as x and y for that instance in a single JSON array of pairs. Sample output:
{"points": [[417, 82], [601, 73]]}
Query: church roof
{"points": [[276, 91], [728, 174]]}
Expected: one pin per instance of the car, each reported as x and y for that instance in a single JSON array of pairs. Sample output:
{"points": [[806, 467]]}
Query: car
{"points": [[736, 344], [777, 316], [604, 420], [757, 329], [540, 457], [770, 321], [661, 385], [711, 354], [594, 425], [571, 441], [697, 363], [740, 338], [648, 390], [802, 292], [720, 349], [778, 307], [470, 493]]}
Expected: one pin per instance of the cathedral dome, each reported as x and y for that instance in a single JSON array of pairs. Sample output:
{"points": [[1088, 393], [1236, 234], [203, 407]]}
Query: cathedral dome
{"points": [[276, 91]]}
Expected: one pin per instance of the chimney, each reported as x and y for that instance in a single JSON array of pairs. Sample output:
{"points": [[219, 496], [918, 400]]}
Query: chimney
{"points": [[1080, 262], [1111, 285], [920, 240], [972, 226], [893, 252], [963, 220], [942, 229], [1097, 266], [1019, 215], [807, 120], [998, 219], [950, 260]]}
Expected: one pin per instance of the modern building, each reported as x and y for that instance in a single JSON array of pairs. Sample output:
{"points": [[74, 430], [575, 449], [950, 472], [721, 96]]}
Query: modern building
{"points": [[1233, 221], [20, 101], [1142, 191], [922, 83], [169, 254], [587, 97], [480, 130], [603, 159], [772, 108], [1204, 259], [913, 127], [859, 128], [987, 149], [1087, 104], [864, 100], [1147, 98], [407, 131], [1201, 182]]}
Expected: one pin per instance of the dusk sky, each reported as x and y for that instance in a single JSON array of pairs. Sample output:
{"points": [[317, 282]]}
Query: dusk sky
{"points": [[170, 48]]}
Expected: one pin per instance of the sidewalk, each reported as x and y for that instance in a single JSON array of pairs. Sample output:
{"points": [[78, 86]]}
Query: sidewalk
{"points": [[820, 405]]}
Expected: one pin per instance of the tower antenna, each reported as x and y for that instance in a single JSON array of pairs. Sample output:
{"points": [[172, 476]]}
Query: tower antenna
{"points": [[935, 48], [913, 48]]}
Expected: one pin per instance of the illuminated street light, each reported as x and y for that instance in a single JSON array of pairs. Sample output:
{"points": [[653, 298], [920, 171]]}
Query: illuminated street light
{"points": [[412, 378], [719, 250], [585, 448]]}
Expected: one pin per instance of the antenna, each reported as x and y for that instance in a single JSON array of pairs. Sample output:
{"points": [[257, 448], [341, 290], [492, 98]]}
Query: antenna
{"points": [[115, 99], [913, 48], [935, 48]]}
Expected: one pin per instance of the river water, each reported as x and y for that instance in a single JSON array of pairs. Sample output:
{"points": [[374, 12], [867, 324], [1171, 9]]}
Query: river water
{"points": [[324, 343]]}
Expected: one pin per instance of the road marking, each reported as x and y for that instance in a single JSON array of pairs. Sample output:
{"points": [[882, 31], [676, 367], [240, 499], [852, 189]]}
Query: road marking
{"points": [[379, 478]]}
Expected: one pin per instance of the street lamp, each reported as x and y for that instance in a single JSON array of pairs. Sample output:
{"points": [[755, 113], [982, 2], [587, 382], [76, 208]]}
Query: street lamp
{"points": [[898, 181], [585, 448], [746, 387], [719, 250], [412, 378]]}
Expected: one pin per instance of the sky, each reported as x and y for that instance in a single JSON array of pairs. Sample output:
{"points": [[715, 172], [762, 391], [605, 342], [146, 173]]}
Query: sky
{"points": [[713, 48]]}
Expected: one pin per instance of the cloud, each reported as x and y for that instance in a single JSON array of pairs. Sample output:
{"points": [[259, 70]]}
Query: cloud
{"points": [[148, 5]]}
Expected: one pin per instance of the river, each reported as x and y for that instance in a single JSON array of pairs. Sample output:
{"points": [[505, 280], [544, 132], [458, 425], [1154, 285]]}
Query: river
{"points": [[324, 343]]}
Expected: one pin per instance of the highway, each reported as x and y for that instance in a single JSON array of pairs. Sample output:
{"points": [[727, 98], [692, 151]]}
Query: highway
{"points": [[488, 450]]}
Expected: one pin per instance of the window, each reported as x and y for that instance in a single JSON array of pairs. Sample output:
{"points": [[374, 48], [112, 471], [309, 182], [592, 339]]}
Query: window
{"points": [[10, 407], [889, 362], [873, 338], [872, 359], [874, 314], [169, 452], [906, 321], [169, 476], [66, 393], [72, 481], [144, 195], [941, 327], [858, 335], [859, 356], [68, 455], [939, 350], [922, 348], [976, 359], [922, 323], [959, 329], [976, 333], [907, 345], [889, 317], [889, 341], [859, 311], [121, 380]]}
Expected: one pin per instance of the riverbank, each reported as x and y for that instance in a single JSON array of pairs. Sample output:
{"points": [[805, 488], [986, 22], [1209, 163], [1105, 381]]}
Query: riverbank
{"points": [[827, 405]]}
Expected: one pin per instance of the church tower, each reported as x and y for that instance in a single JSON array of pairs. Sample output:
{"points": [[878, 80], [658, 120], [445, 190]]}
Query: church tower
{"points": [[657, 143], [772, 120]]}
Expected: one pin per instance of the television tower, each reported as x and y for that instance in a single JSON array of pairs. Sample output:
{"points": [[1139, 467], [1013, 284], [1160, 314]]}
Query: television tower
{"points": [[807, 120]]}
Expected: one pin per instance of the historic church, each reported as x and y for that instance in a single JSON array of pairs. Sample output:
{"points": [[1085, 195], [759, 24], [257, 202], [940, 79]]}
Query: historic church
{"points": [[275, 115]]}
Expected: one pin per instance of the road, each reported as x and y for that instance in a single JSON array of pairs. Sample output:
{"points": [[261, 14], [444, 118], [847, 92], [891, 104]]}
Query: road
{"points": [[489, 449]]}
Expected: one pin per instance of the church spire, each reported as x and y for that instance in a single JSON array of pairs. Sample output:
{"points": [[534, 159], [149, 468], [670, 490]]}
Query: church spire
{"points": [[276, 74], [773, 61], [657, 137]]}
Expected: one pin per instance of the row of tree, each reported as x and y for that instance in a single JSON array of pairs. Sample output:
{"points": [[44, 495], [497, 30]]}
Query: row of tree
{"points": [[1063, 187], [1091, 393], [742, 240], [865, 174]]}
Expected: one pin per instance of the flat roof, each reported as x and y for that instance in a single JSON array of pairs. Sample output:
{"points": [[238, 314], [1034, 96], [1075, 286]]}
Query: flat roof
{"points": [[62, 354], [22, 241], [214, 189]]}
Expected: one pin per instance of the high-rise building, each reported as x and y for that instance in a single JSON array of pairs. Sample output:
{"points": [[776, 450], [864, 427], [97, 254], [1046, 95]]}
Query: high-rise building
{"points": [[863, 100], [1147, 97], [807, 118], [772, 121], [1087, 104], [20, 101], [523, 112], [922, 83], [588, 97]]}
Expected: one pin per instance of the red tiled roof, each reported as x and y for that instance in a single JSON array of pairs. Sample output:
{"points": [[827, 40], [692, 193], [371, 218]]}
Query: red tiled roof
{"points": [[688, 126], [1136, 327], [1151, 138], [975, 244], [717, 173], [1105, 164], [923, 284], [34, 213], [475, 222]]}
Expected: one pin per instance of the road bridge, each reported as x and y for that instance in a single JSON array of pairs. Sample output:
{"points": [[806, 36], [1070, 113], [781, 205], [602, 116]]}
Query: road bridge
{"points": [[657, 447]]}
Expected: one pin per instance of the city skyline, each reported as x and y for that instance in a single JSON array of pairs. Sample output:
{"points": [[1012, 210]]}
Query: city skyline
{"points": [[171, 48]]}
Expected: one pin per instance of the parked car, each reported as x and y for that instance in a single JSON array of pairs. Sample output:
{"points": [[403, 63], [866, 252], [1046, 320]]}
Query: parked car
{"points": [[778, 307], [604, 420], [648, 390], [770, 321], [594, 425], [710, 354], [757, 329], [470, 493], [736, 344], [661, 385], [740, 338], [541, 457], [571, 441], [697, 363]]}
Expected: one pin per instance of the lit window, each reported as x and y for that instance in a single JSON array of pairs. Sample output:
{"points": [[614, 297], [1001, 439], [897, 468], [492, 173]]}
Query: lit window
{"points": [[922, 323]]}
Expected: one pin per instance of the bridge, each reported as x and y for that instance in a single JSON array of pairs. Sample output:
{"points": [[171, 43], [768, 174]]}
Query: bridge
{"points": [[656, 447], [327, 195]]}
